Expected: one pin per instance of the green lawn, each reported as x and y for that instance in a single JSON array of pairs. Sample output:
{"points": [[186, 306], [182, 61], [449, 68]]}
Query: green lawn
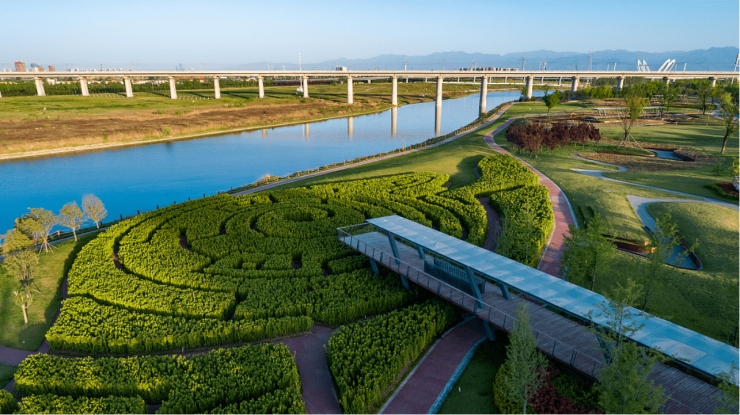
{"points": [[51, 270], [6, 373], [473, 391]]}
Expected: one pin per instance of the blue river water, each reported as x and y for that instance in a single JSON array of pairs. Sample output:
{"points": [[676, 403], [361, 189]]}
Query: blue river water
{"points": [[141, 177]]}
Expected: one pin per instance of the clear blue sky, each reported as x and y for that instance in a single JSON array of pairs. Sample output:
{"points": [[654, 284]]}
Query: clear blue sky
{"points": [[219, 32]]}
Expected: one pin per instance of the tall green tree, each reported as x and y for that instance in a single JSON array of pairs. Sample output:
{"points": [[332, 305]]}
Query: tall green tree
{"points": [[527, 365], [663, 241], [729, 400], [71, 216], [704, 92], [551, 100], [588, 252], [729, 114], [668, 97], [94, 209], [624, 387], [517, 239]]}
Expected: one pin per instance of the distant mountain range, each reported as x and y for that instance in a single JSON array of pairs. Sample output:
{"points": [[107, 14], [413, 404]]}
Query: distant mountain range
{"points": [[696, 60]]}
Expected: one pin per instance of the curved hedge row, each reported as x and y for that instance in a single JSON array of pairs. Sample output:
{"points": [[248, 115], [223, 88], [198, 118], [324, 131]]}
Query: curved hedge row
{"points": [[251, 376], [366, 358], [54, 404]]}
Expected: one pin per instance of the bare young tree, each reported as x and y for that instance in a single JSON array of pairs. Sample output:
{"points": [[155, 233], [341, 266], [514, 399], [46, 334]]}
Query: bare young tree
{"points": [[24, 299], [729, 114], [20, 261], [42, 221], [94, 209], [634, 104], [71, 216]]}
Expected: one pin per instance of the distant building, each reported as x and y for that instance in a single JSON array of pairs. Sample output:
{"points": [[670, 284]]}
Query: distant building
{"points": [[52, 68], [20, 67], [342, 68], [34, 65]]}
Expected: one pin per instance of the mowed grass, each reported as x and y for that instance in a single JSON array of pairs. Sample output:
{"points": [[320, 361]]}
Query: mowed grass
{"points": [[6, 374], [473, 391], [708, 139], [69, 107], [49, 275]]}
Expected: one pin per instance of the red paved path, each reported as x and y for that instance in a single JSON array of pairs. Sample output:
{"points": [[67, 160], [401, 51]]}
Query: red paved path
{"points": [[553, 255], [421, 389], [310, 356]]}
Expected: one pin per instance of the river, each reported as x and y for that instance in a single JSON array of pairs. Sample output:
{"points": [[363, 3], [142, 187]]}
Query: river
{"points": [[142, 177]]}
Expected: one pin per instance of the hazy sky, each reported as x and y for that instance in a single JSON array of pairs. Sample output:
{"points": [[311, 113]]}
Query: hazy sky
{"points": [[221, 32]]}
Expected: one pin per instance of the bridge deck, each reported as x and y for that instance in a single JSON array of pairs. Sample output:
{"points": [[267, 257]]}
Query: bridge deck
{"points": [[559, 337]]}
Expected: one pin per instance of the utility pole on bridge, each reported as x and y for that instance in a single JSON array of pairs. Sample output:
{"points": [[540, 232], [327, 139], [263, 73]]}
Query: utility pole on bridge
{"points": [[523, 59]]}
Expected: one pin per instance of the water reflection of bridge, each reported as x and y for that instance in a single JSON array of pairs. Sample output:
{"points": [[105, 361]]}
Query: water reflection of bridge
{"points": [[491, 286]]}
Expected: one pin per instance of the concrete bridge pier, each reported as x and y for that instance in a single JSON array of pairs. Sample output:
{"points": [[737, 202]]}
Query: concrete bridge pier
{"points": [[574, 85], [506, 78], [39, 87], [127, 86], [530, 81], [350, 92], [260, 82], [306, 132], [217, 87], [350, 126], [394, 121], [173, 89], [394, 90], [305, 90], [83, 87], [483, 94], [620, 83], [438, 121], [439, 91], [560, 81], [714, 82]]}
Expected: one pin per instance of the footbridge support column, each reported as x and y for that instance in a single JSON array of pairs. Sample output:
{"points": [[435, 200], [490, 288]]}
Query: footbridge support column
{"points": [[350, 92], [439, 91], [483, 94], [574, 85], [479, 303], [83, 87], [305, 86], [530, 81], [260, 82], [217, 87], [127, 87], [173, 89], [394, 90], [39, 87], [620, 83]]}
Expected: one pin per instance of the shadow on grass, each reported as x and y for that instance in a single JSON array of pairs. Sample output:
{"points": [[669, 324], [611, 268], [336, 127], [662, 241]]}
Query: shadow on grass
{"points": [[465, 174]]}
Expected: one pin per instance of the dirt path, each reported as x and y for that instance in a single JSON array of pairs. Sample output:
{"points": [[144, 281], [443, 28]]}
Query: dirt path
{"points": [[310, 356], [564, 216], [423, 386]]}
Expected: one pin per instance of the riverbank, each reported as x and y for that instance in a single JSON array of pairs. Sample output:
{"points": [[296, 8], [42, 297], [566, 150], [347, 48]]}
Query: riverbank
{"points": [[47, 133]]}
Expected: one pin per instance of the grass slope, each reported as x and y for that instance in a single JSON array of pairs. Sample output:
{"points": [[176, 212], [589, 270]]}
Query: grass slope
{"points": [[6, 373], [51, 271]]}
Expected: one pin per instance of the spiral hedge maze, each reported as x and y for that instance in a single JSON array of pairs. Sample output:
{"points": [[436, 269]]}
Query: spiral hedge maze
{"points": [[234, 270]]}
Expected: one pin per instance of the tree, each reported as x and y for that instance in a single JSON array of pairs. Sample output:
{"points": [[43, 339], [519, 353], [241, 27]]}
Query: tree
{"points": [[43, 222], [624, 386], [704, 91], [527, 365], [729, 113], [516, 242], [94, 209], [588, 252], [23, 298], [663, 241], [551, 100], [634, 103], [20, 261], [71, 216], [669, 96], [729, 400]]}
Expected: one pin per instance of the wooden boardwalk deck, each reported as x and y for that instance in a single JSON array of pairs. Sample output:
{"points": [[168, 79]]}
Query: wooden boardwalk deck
{"points": [[557, 336]]}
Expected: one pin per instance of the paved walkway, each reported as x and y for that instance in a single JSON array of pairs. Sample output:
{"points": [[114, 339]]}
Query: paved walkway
{"points": [[420, 390], [561, 208], [310, 356]]}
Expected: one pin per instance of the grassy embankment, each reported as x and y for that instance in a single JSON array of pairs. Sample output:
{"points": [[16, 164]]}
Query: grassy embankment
{"points": [[44, 123], [51, 271]]}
